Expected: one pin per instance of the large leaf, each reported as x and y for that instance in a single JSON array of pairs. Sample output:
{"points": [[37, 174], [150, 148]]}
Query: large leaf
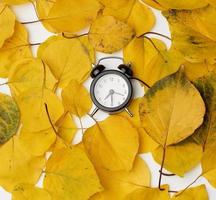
{"points": [[116, 139], [172, 109], [63, 56], [67, 15], [70, 175]]}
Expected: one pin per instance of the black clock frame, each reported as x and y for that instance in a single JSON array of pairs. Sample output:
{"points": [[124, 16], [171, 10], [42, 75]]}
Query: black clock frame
{"points": [[114, 109]]}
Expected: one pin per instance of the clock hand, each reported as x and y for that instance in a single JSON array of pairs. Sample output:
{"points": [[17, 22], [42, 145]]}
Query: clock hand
{"points": [[108, 95], [119, 93], [111, 99]]}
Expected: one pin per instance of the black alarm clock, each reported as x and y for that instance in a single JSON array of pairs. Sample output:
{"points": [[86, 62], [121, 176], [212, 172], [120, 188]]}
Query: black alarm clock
{"points": [[111, 90]]}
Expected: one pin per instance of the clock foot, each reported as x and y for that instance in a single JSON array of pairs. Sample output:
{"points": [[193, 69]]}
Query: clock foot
{"points": [[128, 112], [94, 112]]}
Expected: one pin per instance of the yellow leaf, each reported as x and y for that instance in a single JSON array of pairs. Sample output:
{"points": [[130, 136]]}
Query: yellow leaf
{"points": [[135, 13], [17, 2], [146, 143], [188, 5], [14, 48], [172, 109], [78, 104], [68, 15], [66, 128], [212, 2], [118, 184], [7, 23], [70, 175], [108, 34], [149, 193], [206, 134], [198, 193], [195, 47], [37, 143], [209, 164], [58, 53], [30, 73], [180, 158], [153, 4], [195, 71], [9, 118], [85, 42], [33, 113], [18, 165], [151, 62], [141, 18], [26, 191], [116, 139]]}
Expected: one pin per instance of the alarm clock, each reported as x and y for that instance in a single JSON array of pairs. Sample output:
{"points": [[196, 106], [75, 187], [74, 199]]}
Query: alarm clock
{"points": [[111, 90]]}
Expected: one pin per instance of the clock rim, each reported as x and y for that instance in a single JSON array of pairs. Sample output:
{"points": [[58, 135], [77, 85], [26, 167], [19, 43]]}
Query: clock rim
{"points": [[114, 109]]}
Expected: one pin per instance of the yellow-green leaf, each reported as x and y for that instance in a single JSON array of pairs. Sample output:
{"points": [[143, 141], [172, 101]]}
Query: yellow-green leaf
{"points": [[9, 118], [172, 109]]}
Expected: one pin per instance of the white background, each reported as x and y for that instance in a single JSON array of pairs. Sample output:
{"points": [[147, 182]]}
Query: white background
{"points": [[39, 34]]}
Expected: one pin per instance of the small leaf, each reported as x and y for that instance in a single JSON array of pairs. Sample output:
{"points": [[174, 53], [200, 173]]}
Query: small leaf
{"points": [[108, 34], [172, 109], [70, 175], [9, 118], [77, 104], [116, 139], [198, 193]]}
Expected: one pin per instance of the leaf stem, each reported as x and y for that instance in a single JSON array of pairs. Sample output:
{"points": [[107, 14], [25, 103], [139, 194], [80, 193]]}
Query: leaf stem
{"points": [[161, 169], [144, 83], [155, 33], [31, 22], [74, 36], [165, 174]]}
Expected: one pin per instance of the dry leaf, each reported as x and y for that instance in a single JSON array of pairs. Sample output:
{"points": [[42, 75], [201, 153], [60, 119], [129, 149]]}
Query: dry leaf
{"points": [[107, 34], [9, 118], [17, 2], [172, 109], [70, 175], [206, 134], [116, 139]]}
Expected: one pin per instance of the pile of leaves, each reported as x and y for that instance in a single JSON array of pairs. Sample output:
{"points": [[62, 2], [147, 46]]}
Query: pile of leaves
{"points": [[175, 120]]}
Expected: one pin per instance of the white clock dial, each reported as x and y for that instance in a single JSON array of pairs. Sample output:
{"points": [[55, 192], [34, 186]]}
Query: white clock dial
{"points": [[111, 90]]}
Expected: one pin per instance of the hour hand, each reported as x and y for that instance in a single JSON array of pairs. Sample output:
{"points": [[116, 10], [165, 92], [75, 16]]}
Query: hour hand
{"points": [[119, 93], [107, 96]]}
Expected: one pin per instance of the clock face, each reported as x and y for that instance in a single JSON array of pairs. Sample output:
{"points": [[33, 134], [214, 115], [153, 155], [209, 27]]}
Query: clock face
{"points": [[111, 90]]}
